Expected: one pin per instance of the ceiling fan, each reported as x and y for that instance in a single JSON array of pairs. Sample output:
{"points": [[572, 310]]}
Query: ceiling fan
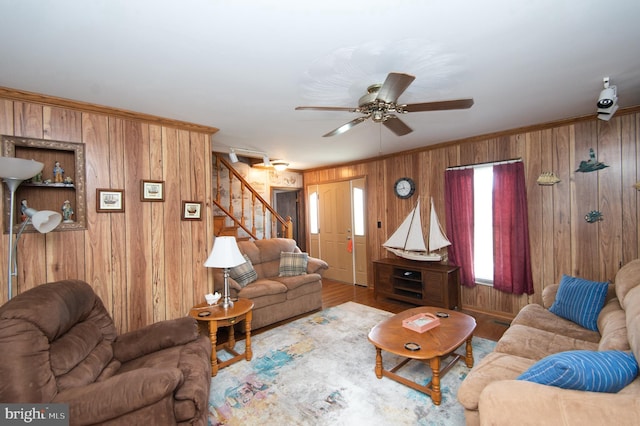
{"points": [[381, 105]]}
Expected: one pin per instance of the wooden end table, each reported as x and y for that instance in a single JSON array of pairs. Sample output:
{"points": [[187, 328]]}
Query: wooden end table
{"points": [[434, 345], [216, 316]]}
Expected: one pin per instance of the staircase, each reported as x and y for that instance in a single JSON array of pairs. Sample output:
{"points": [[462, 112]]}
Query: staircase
{"points": [[239, 210]]}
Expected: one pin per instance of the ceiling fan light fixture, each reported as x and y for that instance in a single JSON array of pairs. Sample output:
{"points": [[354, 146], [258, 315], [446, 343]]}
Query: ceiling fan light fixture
{"points": [[378, 115], [265, 161], [382, 99]]}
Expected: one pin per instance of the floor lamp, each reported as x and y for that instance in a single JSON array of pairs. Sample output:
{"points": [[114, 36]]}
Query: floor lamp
{"points": [[43, 221], [13, 172], [225, 254]]}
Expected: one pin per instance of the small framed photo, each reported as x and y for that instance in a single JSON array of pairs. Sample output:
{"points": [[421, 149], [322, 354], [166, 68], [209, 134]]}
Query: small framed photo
{"points": [[152, 190], [191, 210], [109, 200]]}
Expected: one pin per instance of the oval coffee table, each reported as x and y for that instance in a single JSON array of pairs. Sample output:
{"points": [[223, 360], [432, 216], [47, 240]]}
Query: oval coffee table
{"points": [[434, 345]]}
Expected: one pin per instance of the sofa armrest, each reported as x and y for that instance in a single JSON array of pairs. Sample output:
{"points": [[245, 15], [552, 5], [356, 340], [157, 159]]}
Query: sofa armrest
{"points": [[316, 266], [549, 295], [119, 395], [155, 337], [517, 402]]}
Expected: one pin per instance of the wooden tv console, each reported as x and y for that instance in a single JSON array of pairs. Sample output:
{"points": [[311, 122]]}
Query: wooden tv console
{"points": [[420, 283]]}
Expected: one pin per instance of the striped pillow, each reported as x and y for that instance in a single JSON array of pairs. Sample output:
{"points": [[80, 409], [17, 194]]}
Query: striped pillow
{"points": [[606, 371], [292, 264], [244, 273], [580, 301]]}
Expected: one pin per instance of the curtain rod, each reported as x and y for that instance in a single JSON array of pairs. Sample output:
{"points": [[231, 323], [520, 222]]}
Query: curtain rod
{"points": [[488, 163]]}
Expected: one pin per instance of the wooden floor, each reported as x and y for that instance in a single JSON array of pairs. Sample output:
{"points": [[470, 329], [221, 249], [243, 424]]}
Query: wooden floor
{"points": [[335, 293]]}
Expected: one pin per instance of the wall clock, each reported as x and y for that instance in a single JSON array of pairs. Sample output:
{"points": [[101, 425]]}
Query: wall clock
{"points": [[404, 187]]}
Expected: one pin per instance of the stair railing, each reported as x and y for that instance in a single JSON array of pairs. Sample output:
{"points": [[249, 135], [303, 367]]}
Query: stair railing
{"points": [[225, 194]]}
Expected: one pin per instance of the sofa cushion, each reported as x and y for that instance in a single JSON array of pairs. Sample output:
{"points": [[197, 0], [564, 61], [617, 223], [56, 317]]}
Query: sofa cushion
{"points": [[493, 367], [535, 344], [593, 371], [262, 287], [580, 301], [613, 327], [534, 315], [292, 264], [244, 273]]}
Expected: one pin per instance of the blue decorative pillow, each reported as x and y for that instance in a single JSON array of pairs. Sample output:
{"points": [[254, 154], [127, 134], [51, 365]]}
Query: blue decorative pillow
{"points": [[244, 273], [580, 301], [605, 371]]}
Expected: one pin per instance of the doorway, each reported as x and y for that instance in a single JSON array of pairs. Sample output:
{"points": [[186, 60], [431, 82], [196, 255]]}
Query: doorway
{"points": [[337, 222], [286, 202]]}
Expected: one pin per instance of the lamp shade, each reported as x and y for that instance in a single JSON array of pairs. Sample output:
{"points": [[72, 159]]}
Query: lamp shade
{"points": [[45, 220], [225, 254], [19, 168]]}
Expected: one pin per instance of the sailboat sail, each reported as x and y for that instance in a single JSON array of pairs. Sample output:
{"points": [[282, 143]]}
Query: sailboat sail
{"points": [[408, 240], [437, 237]]}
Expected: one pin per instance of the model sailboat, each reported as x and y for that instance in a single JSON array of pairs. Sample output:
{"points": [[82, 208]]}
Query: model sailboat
{"points": [[408, 240]]}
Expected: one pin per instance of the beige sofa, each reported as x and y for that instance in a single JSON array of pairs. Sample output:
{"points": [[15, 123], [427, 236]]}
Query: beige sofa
{"points": [[491, 395], [276, 297]]}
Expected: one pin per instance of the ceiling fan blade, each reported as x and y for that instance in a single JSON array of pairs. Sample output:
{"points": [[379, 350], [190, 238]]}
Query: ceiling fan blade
{"points": [[394, 86], [327, 108], [345, 127], [397, 126], [439, 105]]}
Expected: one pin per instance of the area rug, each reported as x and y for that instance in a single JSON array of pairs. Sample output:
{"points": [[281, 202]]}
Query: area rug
{"points": [[319, 370]]}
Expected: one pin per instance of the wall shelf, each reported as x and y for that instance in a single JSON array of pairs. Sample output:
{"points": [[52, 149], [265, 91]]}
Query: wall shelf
{"points": [[48, 195]]}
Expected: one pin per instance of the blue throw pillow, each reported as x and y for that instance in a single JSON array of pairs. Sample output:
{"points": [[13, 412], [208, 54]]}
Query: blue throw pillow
{"points": [[580, 301], [606, 371]]}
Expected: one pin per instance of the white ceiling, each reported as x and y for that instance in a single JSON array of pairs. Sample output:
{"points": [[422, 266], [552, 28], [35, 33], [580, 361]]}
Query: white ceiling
{"points": [[243, 66]]}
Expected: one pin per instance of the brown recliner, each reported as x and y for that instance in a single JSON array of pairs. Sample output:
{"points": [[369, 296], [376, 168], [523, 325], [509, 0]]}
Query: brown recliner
{"points": [[59, 345]]}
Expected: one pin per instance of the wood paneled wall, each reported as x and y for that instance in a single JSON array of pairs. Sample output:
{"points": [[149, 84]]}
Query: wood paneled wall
{"points": [[146, 264], [562, 242]]}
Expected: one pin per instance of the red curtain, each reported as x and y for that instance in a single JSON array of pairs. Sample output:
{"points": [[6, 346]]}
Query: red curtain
{"points": [[459, 214], [511, 255]]}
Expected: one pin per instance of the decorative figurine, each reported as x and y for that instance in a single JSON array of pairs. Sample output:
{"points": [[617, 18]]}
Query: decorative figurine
{"points": [[592, 164], [23, 207], [58, 173], [68, 180], [593, 216], [67, 212], [548, 178]]}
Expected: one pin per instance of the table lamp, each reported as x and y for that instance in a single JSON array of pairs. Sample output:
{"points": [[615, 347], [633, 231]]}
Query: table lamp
{"points": [[225, 254], [13, 172]]}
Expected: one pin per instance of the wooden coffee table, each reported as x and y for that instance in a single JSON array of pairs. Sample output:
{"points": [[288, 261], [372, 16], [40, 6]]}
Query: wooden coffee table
{"points": [[216, 316], [434, 345]]}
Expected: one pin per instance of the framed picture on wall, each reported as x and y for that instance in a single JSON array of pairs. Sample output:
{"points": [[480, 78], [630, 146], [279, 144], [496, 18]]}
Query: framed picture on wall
{"points": [[152, 190], [109, 200], [191, 210]]}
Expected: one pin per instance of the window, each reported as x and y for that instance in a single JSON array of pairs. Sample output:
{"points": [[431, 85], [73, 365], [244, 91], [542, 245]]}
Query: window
{"points": [[487, 224], [313, 213], [358, 211], [483, 224]]}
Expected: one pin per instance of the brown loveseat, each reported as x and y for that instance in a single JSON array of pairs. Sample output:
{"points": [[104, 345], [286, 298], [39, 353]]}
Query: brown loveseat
{"points": [[276, 297], [59, 345], [491, 395]]}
